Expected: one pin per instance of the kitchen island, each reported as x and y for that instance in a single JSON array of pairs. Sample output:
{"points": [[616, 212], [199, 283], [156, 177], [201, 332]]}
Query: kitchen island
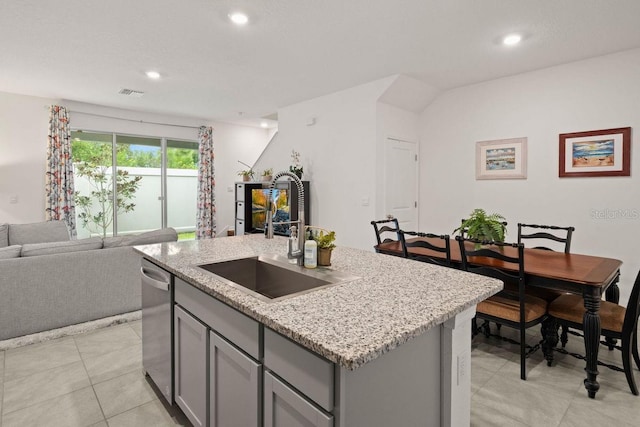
{"points": [[395, 341]]}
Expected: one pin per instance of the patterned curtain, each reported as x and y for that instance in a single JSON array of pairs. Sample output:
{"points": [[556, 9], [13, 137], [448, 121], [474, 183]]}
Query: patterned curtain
{"points": [[59, 175], [206, 215]]}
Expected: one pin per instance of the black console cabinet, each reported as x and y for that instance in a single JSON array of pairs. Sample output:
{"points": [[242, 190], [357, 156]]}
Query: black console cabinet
{"points": [[247, 222]]}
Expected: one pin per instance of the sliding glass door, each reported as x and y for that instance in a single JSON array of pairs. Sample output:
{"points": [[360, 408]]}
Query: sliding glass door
{"points": [[139, 186], [155, 184]]}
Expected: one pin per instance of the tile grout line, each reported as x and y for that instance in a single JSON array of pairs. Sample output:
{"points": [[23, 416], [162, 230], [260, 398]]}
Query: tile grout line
{"points": [[90, 383]]}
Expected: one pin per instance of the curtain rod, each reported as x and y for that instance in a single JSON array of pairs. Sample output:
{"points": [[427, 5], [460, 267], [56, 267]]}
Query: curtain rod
{"points": [[132, 120]]}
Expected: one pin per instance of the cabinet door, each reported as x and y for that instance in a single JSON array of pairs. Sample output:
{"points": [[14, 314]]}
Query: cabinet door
{"points": [[190, 343], [234, 386], [283, 407]]}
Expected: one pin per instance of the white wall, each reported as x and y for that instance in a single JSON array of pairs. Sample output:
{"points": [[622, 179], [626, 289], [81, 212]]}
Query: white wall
{"points": [[338, 155], [599, 93], [24, 122], [23, 146]]}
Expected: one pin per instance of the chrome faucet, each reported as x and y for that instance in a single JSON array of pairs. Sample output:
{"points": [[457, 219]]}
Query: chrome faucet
{"points": [[292, 253]]}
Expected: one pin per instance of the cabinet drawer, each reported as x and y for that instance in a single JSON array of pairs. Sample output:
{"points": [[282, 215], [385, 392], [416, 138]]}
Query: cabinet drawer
{"points": [[239, 210], [228, 322], [240, 192], [304, 370], [239, 227]]}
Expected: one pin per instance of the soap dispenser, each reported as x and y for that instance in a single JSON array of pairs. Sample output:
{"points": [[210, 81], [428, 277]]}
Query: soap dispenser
{"points": [[310, 252]]}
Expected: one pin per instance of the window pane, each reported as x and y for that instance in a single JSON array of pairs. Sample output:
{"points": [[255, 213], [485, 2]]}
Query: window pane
{"points": [[139, 184], [93, 159], [182, 187]]}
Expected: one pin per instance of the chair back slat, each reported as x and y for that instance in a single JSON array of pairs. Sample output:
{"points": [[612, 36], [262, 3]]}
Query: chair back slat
{"points": [[563, 236], [492, 251], [445, 249], [386, 226]]}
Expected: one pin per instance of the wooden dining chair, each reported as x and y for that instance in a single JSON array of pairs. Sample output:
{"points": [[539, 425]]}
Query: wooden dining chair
{"points": [[516, 310], [617, 322], [384, 228], [549, 233], [442, 253]]}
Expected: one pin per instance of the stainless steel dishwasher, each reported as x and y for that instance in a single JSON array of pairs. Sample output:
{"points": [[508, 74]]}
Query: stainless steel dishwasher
{"points": [[157, 319]]}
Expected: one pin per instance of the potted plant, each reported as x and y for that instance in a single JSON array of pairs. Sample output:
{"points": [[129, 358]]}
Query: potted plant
{"points": [[267, 174], [484, 227], [325, 246], [296, 167], [247, 175]]}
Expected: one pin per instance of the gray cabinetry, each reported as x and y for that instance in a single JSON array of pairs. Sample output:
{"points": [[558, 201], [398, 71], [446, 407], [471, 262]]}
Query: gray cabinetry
{"points": [[309, 373], [284, 407], [190, 369], [230, 372], [234, 386]]}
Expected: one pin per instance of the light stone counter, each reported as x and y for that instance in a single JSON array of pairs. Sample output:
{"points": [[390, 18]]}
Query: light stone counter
{"points": [[393, 301]]}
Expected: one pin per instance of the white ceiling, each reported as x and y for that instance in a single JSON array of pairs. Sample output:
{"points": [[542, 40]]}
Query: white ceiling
{"points": [[292, 50]]}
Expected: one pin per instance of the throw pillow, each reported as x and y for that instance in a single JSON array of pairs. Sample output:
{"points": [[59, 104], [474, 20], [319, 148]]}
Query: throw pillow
{"points": [[4, 235], [10, 252], [38, 232], [35, 249]]}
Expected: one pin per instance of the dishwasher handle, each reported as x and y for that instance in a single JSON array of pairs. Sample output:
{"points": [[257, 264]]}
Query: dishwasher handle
{"points": [[154, 278]]}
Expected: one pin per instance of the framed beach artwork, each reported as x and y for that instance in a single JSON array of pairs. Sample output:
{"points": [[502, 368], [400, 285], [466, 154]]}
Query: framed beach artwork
{"points": [[501, 159], [596, 153]]}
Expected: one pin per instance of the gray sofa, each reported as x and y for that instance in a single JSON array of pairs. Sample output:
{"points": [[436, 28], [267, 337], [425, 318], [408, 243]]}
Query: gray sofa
{"points": [[48, 281]]}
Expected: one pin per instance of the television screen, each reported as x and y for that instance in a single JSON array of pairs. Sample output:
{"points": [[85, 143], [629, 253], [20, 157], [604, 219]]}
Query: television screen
{"points": [[280, 201]]}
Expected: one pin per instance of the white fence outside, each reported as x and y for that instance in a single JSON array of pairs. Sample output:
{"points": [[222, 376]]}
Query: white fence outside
{"points": [[182, 189]]}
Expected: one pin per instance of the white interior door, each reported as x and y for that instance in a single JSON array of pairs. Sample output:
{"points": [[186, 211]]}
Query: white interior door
{"points": [[401, 182]]}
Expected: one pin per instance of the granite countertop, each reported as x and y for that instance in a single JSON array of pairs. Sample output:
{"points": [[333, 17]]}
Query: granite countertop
{"points": [[394, 299]]}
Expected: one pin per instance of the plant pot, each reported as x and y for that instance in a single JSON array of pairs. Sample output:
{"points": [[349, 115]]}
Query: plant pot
{"points": [[246, 178], [267, 177], [324, 257]]}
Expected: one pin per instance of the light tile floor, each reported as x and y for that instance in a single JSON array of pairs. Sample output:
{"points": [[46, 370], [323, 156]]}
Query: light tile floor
{"points": [[96, 379], [92, 379], [551, 396]]}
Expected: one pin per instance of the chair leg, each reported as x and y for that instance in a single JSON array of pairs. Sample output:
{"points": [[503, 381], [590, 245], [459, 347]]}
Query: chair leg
{"points": [[634, 348], [486, 329], [549, 331], [564, 338], [498, 326], [626, 363], [523, 358]]}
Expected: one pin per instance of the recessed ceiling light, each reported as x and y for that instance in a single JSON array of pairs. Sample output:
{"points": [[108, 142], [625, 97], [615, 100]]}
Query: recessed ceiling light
{"points": [[239, 18], [512, 39], [153, 75], [264, 124]]}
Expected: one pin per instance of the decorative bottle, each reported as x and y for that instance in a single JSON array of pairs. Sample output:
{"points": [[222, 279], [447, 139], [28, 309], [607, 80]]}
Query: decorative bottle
{"points": [[310, 252]]}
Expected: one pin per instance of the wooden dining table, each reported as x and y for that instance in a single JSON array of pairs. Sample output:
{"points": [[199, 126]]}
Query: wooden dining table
{"points": [[589, 276]]}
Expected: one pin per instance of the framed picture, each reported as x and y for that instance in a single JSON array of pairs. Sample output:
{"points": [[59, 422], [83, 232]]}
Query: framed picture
{"points": [[596, 153], [501, 159]]}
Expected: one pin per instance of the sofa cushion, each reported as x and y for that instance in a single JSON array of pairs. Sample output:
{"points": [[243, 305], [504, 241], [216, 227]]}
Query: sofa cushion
{"points": [[10, 252], [150, 237], [35, 249], [38, 232], [4, 235], [113, 242]]}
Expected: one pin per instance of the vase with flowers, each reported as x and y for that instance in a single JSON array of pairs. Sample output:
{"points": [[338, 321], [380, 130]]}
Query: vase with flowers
{"points": [[296, 166]]}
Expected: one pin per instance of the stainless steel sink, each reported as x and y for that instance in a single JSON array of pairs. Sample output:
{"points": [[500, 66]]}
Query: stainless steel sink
{"points": [[272, 278]]}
